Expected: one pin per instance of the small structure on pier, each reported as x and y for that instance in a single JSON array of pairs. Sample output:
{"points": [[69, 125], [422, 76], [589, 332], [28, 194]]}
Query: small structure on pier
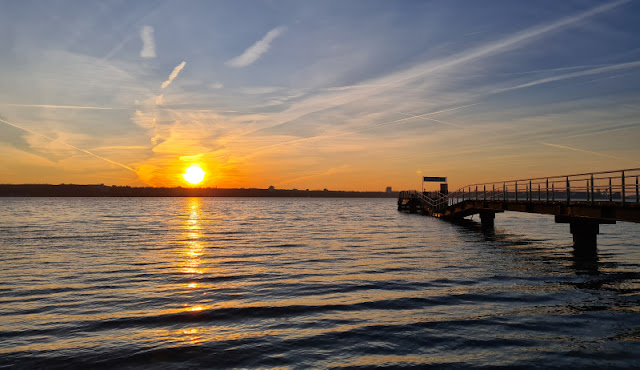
{"points": [[584, 201], [423, 202]]}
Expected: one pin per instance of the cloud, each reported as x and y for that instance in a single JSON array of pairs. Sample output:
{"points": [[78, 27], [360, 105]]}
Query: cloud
{"points": [[261, 90], [69, 145], [427, 76], [148, 44], [59, 106], [256, 50], [330, 171], [217, 85], [174, 74]]}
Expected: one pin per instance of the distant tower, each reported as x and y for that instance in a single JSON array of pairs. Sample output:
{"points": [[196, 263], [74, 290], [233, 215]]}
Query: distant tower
{"points": [[271, 188], [388, 191]]}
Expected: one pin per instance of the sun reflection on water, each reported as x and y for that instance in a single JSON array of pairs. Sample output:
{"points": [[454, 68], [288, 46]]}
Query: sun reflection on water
{"points": [[194, 247], [193, 252]]}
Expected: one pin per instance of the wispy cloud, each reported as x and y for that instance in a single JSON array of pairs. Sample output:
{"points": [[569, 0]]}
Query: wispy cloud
{"points": [[255, 51], [59, 106], [427, 73], [330, 171], [123, 147], [260, 90], [256, 151], [69, 145], [148, 43], [174, 74]]}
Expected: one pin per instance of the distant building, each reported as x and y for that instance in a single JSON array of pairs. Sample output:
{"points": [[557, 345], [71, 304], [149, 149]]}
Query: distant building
{"points": [[389, 191], [271, 188]]}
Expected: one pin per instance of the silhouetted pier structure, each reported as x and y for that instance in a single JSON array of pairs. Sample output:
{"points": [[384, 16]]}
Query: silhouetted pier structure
{"points": [[584, 201]]}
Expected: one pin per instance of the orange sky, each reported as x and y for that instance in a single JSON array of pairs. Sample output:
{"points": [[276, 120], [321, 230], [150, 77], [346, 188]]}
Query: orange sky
{"points": [[343, 99]]}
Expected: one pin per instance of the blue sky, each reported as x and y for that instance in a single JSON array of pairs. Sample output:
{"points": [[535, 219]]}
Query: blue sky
{"points": [[337, 94]]}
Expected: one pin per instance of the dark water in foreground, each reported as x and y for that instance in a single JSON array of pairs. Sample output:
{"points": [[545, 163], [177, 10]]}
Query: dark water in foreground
{"points": [[189, 282]]}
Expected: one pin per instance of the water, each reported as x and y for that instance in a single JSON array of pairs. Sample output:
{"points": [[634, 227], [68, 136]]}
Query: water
{"points": [[190, 282]]}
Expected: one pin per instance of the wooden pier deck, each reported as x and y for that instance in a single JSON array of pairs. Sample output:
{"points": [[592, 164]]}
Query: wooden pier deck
{"points": [[584, 201]]}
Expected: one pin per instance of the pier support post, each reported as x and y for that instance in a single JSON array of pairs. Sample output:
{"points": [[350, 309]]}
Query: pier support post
{"points": [[585, 231], [487, 219], [585, 235]]}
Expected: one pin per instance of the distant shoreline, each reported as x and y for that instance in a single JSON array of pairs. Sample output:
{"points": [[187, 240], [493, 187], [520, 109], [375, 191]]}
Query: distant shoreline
{"points": [[71, 190]]}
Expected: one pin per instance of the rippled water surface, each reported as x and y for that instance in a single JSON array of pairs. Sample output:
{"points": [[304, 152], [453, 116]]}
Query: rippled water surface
{"points": [[211, 282]]}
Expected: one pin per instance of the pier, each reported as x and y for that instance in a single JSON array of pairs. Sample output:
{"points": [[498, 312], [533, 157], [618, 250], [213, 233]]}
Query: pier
{"points": [[584, 201]]}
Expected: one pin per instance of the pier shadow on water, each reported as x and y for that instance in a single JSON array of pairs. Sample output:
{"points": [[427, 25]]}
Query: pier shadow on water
{"points": [[583, 261], [599, 273]]}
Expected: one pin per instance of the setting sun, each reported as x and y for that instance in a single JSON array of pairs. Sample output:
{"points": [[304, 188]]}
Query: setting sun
{"points": [[193, 174]]}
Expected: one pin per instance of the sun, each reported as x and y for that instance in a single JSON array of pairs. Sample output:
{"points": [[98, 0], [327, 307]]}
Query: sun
{"points": [[194, 174]]}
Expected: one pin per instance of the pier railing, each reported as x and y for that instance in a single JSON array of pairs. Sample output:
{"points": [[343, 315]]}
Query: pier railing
{"points": [[584, 201], [621, 186]]}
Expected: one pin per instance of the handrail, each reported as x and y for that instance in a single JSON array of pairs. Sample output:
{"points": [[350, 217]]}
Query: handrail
{"points": [[554, 177], [591, 187]]}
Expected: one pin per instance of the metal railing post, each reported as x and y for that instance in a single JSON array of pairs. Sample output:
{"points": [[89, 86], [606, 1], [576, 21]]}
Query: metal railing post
{"points": [[539, 199], [493, 193], [568, 190], [547, 190], [587, 190], [637, 192], [516, 191], [610, 191], [530, 191], [484, 192], [593, 193], [623, 193], [553, 192], [476, 192], [504, 190]]}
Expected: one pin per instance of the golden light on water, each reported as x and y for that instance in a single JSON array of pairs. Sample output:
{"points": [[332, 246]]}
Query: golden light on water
{"points": [[194, 250], [194, 174]]}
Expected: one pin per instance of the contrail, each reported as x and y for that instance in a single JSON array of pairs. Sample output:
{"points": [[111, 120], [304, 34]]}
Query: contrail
{"points": [[580, 150], [430, 119], [588, 72], [404, 119], [447, 110], [69, 145]]}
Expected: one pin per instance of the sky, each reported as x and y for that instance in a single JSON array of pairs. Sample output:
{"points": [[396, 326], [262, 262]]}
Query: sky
{"points": [[344, 95]]}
